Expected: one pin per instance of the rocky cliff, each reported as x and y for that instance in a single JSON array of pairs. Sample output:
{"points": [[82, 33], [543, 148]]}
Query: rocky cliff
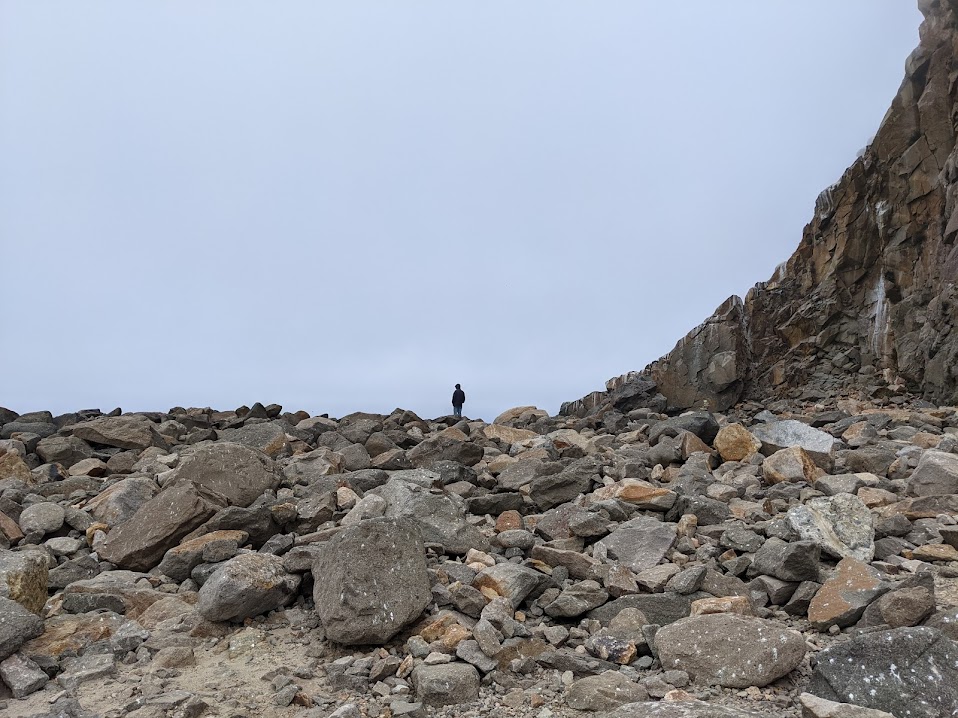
{"points": [[868, 300]]}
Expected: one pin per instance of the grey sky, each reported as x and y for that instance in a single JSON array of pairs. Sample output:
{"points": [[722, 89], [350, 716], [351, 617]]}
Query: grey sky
{"points": [[355, 205]]}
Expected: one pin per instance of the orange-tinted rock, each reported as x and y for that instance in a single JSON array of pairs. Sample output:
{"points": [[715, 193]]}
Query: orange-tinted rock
{"points": [[736, 443], [842, 599]]}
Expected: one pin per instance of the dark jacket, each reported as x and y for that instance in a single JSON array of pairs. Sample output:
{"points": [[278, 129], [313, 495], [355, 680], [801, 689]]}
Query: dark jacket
{"points": [[458, 397]]}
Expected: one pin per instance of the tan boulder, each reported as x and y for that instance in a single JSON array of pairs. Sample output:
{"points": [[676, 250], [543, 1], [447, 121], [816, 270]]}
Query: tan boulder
{"points": [[517, 412], [736, 443], [637, 492], [507, 433], [791, 464]]}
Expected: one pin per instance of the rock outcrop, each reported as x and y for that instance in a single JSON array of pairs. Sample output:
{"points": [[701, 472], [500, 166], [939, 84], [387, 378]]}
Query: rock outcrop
{"points": [[868, 302]]}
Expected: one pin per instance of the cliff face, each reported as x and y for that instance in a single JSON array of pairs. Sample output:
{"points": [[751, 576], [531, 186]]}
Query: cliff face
{"points": [[869, 297]]}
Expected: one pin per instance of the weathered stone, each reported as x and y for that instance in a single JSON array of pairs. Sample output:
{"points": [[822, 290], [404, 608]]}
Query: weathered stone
{"points": [[905, 671], [778, 435], [63, 450], [841, 525], [180, 560], [640, 543], [639, 493], [579, 564], [815, 707], [117, 591], [13, 467], [22, 675], [842, 599], [246, 586], [680, 709], [795, 561], [445, 446], [119, 502], [159, 524], [736, 443], [449, 684], [441, 517], [936, 474], [791, 464], [509, 580], [125, 432], [604, 692], [238, 473], [42, 518], [555, 489], [268, 437], [17, 626], [371, 581], [659, 608], [577, 599], [730, 650], [24, 578]]}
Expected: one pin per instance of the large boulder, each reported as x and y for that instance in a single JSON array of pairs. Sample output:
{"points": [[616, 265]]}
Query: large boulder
{"points": [[246, 586], [730, 650], [159, 524], [371, 581], [119, 502], [124, 432], [936, 474], [841, 525], [268, 437], [604, 692], [448, 445], [778, 435], [908, 672], [234, 471], [441, 516], [843, 598], [680, 709], [64, 450]]}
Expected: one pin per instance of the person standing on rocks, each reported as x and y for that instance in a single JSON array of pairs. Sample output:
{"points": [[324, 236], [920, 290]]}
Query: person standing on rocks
{"points": [[458, 399]]}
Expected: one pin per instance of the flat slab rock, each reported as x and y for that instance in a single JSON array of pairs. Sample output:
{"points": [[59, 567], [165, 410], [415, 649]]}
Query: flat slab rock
{"points": [[679, 709], [730, 650], [908, 672]]}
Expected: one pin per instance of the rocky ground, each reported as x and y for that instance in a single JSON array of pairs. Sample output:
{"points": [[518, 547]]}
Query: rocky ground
{"points": [[772, 560]]}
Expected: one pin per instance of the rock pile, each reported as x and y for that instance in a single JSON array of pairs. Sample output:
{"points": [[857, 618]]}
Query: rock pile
{"points": [[762, 561]]}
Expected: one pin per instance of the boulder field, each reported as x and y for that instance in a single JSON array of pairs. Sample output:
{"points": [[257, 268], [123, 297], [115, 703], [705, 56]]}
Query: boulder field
{"points": [[786, 559]]}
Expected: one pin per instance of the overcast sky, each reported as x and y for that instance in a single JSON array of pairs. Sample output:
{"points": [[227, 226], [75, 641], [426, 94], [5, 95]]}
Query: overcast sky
{"points": [[343, 206]]}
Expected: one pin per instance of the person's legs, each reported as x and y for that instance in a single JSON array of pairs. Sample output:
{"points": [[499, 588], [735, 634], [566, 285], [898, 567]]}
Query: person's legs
{"points": [[457, 410]]}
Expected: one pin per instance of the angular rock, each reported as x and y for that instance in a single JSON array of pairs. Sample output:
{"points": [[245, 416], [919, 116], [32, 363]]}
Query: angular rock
{"points": [[795, 561], [120, 501], [63, 450], [730, 650], [841, 525], [604, 692], [118, 591], [371, 581], [125, 432], [815, 707], [736, 443], [789, 465], [441, 516], [449, 445], [268, 437], [17, 626], [24, 577], [778, 435], [680, 709], [639, 493], [577, 599], [904, 671], [236, 472], [179, 561], [640, 543], [508, 579], [448, 684], [159, 524], [246, 586], [22, 675], [842, 599], [935, 475]]}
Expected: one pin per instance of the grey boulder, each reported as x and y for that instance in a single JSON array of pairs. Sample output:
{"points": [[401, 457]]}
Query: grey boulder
{"points": [[730, 650], [17, 626], [841, 525], [371, 581], [245, 586], [909, 672], [237, 472]]}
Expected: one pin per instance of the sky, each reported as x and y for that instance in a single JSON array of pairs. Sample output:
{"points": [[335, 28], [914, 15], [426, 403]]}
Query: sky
{"points": [[353, 206]]}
